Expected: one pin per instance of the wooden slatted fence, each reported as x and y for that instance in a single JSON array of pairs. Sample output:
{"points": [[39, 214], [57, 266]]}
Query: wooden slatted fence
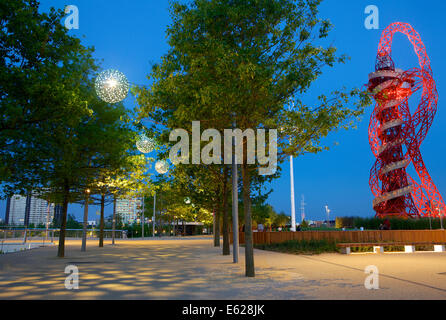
{"points": [[412, 236]]}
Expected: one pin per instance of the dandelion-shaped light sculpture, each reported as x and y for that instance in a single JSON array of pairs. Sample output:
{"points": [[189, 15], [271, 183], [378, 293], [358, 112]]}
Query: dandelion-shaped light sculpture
{"points": [[145, 144], [161, 166], [112, 86]]}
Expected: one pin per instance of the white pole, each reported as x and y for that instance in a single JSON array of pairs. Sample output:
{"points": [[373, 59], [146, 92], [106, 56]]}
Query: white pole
{"points": [[235, 240], [293, 209], [142, 218], [85, 222], [47, 220], [153, 218], [213, 222], [328, 216]]}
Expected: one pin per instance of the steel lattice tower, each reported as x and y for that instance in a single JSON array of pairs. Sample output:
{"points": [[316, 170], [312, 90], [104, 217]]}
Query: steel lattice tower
{"points": [[395, 135]]}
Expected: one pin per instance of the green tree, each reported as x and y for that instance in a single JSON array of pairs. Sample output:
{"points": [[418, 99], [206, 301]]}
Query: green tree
{"points": [[281, 220], [130, 180], [39, 82], [263, 214], [66, 157], [72, 223], [243, 61]]}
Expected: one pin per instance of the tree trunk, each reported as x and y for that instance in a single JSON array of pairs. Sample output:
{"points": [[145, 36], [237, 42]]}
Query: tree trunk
{"points": [[249, 251], [226, 250], [114, 220], [217, 227], [101, 226], [63, 223]]}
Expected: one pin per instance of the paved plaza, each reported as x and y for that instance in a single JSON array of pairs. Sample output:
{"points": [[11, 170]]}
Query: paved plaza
{"points": [[191, 268]]}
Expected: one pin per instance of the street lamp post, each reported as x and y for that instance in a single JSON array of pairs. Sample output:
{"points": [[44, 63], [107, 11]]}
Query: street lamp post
{"points": [[47, 221], [235, 240], [153, 218], [114, 220], [440, 213], [328, 216], [293, 209], [142, 219], [84, 231]]}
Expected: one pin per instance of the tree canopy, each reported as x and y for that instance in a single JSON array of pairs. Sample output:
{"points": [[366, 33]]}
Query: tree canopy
{"points": [[243, 61]]}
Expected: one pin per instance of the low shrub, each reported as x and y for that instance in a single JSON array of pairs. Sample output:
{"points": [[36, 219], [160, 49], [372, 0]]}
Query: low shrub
{"points": [[300, 246], [395, 223]]}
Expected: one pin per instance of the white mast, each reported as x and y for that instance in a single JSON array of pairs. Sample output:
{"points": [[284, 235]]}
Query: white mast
{"points": [[293, 209], [328, 215], [302, 208]]}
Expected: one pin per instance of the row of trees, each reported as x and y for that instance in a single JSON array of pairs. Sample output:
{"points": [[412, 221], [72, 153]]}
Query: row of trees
{"points": [[242, 62], [230, 62], [57, 137]]}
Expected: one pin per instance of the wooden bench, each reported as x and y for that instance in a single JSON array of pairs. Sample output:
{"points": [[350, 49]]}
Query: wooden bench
{"points": [[378, 247]]}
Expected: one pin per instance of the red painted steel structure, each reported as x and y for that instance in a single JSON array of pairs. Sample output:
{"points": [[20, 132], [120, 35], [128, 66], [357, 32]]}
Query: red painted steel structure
{"points": [[395, 135]]}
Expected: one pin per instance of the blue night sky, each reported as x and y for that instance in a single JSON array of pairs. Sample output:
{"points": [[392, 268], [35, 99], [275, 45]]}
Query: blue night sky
{"points": [[130, 35]]}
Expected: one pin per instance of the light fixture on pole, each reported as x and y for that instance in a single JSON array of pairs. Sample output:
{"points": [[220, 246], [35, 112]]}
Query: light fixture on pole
{"points": [[47, 220], [145, 144], [293, 207], [112, 86], [328, 215], [235, 228], [84, 231], [161, 166], [440, 214], [153, 218], [142, 219]]}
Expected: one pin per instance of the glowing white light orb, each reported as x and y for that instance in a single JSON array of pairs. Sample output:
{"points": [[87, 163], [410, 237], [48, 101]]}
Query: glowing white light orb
{"points": [[112, 86], [161, 166], [145, 144]]}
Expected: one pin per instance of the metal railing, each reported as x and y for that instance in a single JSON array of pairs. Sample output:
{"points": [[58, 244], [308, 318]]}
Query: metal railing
{"points": [[42, 235]]}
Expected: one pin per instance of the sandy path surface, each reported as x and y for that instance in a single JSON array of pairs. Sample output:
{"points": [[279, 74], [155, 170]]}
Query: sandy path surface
{"points": [[193, 269]]}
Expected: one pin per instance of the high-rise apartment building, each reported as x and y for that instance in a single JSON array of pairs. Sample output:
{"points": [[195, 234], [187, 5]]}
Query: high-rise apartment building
{"points": [[129, 209], [16, 210], [28, 210]]}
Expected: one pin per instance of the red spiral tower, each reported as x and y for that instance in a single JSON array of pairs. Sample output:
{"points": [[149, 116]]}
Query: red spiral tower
{"points": [[395, 135]]}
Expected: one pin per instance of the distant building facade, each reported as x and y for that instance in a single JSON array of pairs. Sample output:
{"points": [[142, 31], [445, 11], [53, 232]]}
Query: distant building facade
{"points": [[23, 211], [15, 210], [92, 223], [321, 223], [129, 209]]}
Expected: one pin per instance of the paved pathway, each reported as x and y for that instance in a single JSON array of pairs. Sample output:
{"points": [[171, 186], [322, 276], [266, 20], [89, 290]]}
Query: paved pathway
{"points": [[194, 269]]}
